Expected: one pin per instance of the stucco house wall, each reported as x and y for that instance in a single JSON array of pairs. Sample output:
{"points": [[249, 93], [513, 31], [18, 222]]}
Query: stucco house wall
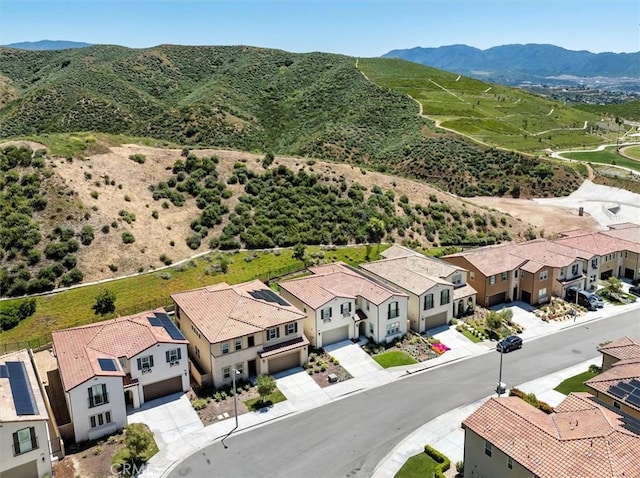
{"points": [[9, 460], [477, 464]]}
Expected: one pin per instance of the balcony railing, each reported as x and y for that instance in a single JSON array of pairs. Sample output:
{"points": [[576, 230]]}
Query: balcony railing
{"points": [[174, 363]]}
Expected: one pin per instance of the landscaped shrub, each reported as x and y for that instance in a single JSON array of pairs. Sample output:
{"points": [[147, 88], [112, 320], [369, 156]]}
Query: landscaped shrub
{"points": [[531, 399], [443, 462], [128, 238], [138, 158]]}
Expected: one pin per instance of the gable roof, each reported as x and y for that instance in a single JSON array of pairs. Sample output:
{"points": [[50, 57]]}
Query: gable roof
{"points": [[79, 349], [620, 237], [415, 273], [549, 253], [492, 260], [626, 380], [11, 390], [624, 348], [223, 312], [581, 438], [337, 280]]}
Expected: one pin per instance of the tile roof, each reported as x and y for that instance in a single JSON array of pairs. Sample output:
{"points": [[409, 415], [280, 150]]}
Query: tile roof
{"points": [[8, 412], [602, 242], [413, 273], [492, 260], [78, 349], [624, 348], [284, 347], [614, 376], [337, 280], [398, 251], [223, 312], [581, 439], [550, 253]]}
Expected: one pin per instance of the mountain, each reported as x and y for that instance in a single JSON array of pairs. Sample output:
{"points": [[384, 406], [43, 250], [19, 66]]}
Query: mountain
{"points": [[47, 45], [514, 64]]}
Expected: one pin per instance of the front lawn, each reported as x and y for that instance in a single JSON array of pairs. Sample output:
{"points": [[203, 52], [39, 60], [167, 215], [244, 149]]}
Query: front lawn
{"points": [[419, 465], [464, 331], [575, 383], [254, 404], [394, 358]]}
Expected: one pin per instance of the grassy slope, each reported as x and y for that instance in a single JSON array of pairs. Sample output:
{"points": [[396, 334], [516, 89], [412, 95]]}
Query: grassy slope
{"points": [[575, 383], [606, 156], [629, 110], [494, 114]]}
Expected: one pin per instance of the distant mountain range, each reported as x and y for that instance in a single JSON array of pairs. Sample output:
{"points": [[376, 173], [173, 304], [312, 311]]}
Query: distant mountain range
{"points": [[534, 63], [47, 45]]}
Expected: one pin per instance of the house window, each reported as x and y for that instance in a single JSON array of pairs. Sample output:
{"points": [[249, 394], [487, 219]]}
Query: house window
{"points": [[428, 301], [173, 357], [273, 333], [472, 275], [225, 348], [393, 328], [515, 273], [345, 309], [226, 372], [394, 311], [510, 463], [98, 395], [197, 352], [239, 368], [488, 448], [145, 364], [544, 274], [291, 328], [445, 297], [371, 328], [100, 419], [594, 263], [457, 279], [238, 344], [505, 275], [616, 404], [196, 331], [251, 341], [326, 314], [574, 269], [542, 294], [24, 440], [492, 280]]}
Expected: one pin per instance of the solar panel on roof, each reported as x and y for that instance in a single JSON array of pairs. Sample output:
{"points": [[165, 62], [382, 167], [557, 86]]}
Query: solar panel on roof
{"points": [[155, 321], [108, 365], [636, 392], [23, 398], [268, 296], [618, 392], [4, 373], [165, 321], [633, 399], [626, 387], [634, 383]]}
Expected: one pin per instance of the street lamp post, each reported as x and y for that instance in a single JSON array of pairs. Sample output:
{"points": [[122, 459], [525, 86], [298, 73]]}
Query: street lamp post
{"points": [[501, 387], [235, 406]]}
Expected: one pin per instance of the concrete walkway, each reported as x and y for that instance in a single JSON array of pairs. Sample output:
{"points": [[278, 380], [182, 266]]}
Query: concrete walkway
{"points": [[303, 394]]}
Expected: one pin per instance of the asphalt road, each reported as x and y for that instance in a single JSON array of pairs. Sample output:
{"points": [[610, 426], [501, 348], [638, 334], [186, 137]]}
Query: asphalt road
{"points": [[348, 438]]}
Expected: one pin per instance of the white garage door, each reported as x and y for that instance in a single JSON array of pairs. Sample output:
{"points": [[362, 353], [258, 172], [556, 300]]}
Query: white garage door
{"points": [[285, 362], [335, 335], [435, 320]]}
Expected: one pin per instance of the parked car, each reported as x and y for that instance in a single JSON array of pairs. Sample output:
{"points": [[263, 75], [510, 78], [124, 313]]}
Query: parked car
{"points": [[586, 299], [510, 343], [635, 290]]}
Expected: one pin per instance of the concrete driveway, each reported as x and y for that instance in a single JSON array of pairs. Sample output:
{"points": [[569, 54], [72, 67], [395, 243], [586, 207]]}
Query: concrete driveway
{"points": [[170, 418]]}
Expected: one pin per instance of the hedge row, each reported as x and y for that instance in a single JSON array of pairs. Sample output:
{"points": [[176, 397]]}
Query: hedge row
{"points": [[531, 399], [443, 462]]}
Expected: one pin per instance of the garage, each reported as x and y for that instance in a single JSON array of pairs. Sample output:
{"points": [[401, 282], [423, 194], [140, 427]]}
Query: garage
{"points": [[162, 388], [285, 362], [435, 320], [496, 299], [26, 470], [335, 335], [526, 296]]}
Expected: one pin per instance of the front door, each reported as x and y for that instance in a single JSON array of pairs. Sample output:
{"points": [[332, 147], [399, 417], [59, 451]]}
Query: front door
{"points": [[252, 368]]}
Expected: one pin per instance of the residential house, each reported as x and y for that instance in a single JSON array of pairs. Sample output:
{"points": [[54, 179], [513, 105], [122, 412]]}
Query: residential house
{"points": [[622, 349], [551, 268], [245, 327], [615, 252], [339, 304], [107, 366], [24, 420], [582, 438], [493, 271], [619, 387], [437, 291]]}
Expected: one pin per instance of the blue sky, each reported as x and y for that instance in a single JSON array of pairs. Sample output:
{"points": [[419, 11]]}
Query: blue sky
{"points": [[352, 27]]}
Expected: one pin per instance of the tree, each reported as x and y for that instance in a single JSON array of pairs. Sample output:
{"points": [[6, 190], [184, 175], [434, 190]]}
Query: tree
{"points": [[266, 385], [612, 286], [300, 252], [138, 441], [375, 230], [105, 302], [493, 321]]}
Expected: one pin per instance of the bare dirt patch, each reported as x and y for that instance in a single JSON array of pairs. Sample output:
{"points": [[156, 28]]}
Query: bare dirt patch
{"points": [[321, 366]]}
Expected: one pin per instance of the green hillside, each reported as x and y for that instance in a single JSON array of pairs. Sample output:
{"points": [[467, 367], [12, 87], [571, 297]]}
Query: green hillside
{"points": [[629, 110], [314, 105], [493, 114]]}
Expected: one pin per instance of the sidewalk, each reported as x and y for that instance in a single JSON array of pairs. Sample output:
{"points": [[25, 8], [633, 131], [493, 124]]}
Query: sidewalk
{"points": [[444, 433]]}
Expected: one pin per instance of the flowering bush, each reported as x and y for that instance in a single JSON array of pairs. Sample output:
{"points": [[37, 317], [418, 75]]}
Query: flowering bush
{"points": [[439, 348]]}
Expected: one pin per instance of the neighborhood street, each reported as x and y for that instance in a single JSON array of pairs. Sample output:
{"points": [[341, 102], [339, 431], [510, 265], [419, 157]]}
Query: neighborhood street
{"points": [[348, 437]]}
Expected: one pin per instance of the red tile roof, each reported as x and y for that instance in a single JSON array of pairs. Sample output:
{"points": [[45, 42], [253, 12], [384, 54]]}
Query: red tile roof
{"points": [[615, 375], [492, 260], [550, 253], [224, 312], [624, 348], [283, 347], [78, 349], [602, 242], [337, 280], [581, 439]]}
